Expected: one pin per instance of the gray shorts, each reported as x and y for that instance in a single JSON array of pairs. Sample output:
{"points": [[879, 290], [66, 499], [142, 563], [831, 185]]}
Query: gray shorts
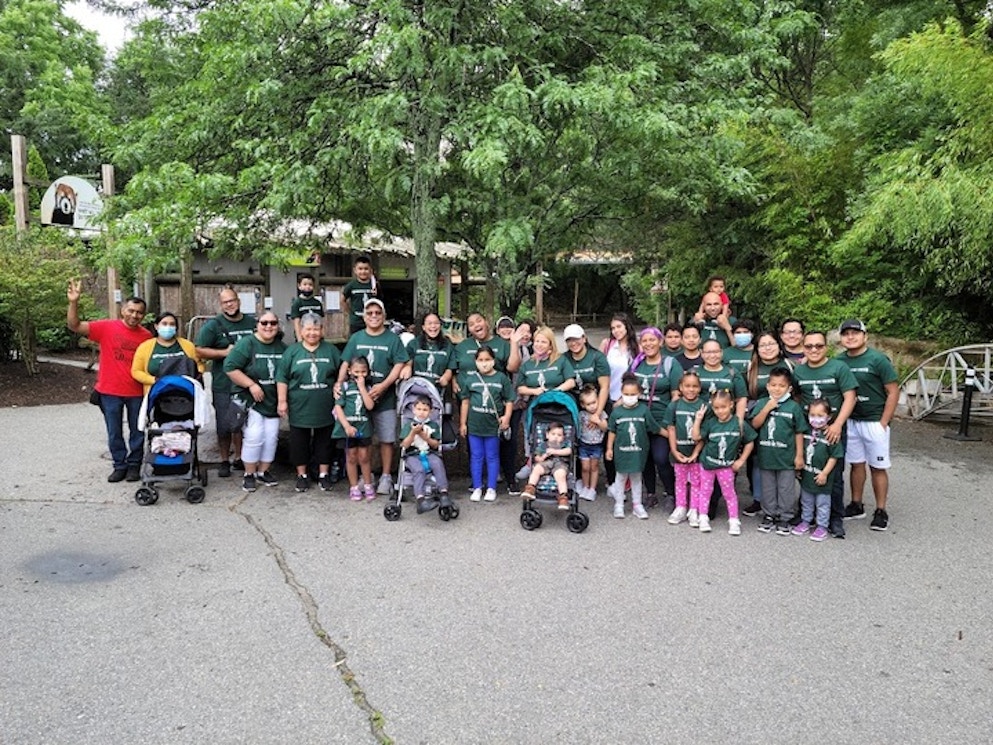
{"points": [[384, 424], [222, 404]]}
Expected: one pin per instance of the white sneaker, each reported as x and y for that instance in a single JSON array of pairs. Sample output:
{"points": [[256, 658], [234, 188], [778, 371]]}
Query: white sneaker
{"points": [[677, 516], [693, 518], [476, 495], [704, 524], [619, 509], [385, 484], [490, 495], [584, 492], [734, 526], [639, 511], [591, 494]]}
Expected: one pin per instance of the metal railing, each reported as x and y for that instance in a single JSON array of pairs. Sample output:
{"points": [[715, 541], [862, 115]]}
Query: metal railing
{"points": [[937, 385]]}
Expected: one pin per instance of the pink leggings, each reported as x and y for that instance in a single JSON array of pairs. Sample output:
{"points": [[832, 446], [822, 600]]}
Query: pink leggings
{"points": [[725, 477], [687, 473]]}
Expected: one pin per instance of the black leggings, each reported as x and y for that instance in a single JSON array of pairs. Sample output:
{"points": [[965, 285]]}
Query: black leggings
{"points": [[310, 445], [659, 458]]}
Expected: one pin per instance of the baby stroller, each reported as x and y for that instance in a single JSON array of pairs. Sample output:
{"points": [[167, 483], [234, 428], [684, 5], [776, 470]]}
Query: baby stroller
{"points": [[548, 408], [410, 390], [171, 416]]}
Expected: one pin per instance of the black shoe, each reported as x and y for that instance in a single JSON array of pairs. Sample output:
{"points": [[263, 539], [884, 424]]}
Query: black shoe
{"points": [[335, 476], [753, 509], [854, 511], [880, 520], [768, 524], [238, 465], [303, 482], [118, 474], [783, 528], [134, 473], [426, 504], [513, 488], [248, 483], [650, 502], [444, 500], [224, 470], [266, 478], [325, 482]]}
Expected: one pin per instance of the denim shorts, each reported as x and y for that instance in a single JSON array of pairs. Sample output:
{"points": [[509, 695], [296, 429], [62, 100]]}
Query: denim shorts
{"points": [[590, 451]]}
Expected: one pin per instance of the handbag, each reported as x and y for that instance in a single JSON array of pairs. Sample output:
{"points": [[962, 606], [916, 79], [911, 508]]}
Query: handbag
{"points": [[237, 413]]}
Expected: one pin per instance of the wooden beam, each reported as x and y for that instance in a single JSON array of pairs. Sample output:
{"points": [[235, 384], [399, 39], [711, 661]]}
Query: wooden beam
{"points": [[19, 165]]}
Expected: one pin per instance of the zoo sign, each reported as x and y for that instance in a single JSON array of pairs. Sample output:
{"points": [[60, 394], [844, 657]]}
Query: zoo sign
{"points": [[71, 202]]}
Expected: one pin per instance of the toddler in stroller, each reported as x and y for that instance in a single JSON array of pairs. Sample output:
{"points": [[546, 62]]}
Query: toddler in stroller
{"points": [[549, 459]]}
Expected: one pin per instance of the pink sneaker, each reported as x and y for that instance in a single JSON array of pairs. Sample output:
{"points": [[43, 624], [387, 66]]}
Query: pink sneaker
{"points": [[370, 492], [355, 494]]}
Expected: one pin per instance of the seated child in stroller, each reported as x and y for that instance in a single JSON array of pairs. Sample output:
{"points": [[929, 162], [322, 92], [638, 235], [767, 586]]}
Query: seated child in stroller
{"points": [[551, 460], [420, 439]]}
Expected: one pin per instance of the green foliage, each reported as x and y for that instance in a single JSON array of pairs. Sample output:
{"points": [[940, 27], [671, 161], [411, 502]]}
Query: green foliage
{"points": [[6, 210]]}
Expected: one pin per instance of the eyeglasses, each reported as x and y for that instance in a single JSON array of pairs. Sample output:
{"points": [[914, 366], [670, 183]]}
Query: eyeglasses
{"points": [[374, 312], [229, 301], [814, 346], [268, 323], [768, 345]]}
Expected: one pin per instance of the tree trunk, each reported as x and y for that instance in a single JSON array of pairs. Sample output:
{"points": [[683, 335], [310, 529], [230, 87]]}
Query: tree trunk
{"points": [[423, 220], [186, 309]]}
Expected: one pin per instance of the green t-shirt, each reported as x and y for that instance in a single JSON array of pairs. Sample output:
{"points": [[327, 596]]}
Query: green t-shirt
{"points": [[589, 369], [872, 370], [382, 351], [487, 395], [465, 353], [674, 353], [723, 441], [259, 362], [739, 359], [301, 306], [762, 374], [830, 381], [776, 445], [545, 374], [710, 330], [357, 294], [680, 415], [631, 428], [725, 379], [310, 378], [433, 360], [356, 413], [220, 333], [816, 452], [657, 382], [432, 430]]}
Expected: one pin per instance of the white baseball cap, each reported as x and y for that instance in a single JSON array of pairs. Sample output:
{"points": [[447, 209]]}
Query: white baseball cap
{"points": [[573, 331]]}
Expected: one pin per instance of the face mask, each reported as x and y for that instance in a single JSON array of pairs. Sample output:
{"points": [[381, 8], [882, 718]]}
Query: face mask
{"points": [[785, 397], [742, 339], [167, 332], [484, 366], [306, 293], [818, 422], [629, 401]]}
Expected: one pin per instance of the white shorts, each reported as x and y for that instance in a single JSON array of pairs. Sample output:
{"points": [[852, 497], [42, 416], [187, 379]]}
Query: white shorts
{"points": [[868, 442]]}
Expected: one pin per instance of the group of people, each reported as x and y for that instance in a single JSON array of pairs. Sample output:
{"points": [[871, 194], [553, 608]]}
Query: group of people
{"points": [[668, 413]]}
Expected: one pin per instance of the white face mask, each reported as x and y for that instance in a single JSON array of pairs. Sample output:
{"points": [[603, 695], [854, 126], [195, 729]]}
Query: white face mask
{"points": [[786, 396], [484, 366], [629, 401]]}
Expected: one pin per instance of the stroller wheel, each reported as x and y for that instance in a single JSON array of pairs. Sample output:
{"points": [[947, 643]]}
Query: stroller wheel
{"points": [[455, 512], [530, 519], [195, 494], [577, 522], [447, 512], [146, 496], [392, 512]]}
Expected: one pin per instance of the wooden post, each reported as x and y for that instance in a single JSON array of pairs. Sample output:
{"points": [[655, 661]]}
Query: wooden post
{"points": [[539, 295], [19, 164], [575, 300], [113, 291]]}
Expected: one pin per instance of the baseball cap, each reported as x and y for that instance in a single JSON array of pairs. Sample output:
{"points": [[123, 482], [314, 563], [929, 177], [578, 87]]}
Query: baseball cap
{"points": [[374, 301], [505, 322], [573, 331], [852, 324]]}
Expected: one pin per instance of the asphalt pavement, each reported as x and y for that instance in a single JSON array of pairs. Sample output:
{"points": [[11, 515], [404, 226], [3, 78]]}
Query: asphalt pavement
{"points": [[279, 617]]}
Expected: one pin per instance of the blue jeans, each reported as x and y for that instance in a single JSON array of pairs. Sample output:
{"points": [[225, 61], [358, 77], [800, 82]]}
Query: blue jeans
{"points": [[484, 449], [815, 509], [114, 409], [659, 459]]}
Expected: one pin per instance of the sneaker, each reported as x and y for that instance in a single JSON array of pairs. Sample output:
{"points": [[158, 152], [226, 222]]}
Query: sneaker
{"points": [[523, 474], [224, 470], [618, 509], [677, 516], [335, 476], [819, 534], [855, 511], [880, 520], [325, 482], [133, 474], [704, 523], [266, 478], [476, 496], [563, 502], [801, 528], [614, 493], [734, 526], [238, 465], [651, 501], [385, 484], [355, 493], [118, 474], [668, 503], [490, 495], [753, 509], [303, 482], [370, 492], [248, 483], [639, 511], [513, 488], [768, 524], [783, 527], [586, 493], [693, 518], [426, 504]]}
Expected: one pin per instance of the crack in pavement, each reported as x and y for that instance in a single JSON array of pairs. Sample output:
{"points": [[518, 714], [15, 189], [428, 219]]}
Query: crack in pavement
{"points": [[377, 722]]}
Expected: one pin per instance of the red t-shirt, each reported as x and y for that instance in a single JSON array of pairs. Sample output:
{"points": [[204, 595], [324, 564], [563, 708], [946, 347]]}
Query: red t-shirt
{"points": [[118, 342]]}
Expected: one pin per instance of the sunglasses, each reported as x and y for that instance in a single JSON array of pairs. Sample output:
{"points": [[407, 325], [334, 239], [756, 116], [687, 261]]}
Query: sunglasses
{"points": [[268, 323], [374, 312], [814, 346]]}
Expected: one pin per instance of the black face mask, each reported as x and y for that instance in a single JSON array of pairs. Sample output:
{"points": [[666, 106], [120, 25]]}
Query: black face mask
{"points": [[307, 293], [232, 315]]}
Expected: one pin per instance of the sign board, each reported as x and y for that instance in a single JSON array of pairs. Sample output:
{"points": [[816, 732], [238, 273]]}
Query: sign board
{"points": [[71, 202]]}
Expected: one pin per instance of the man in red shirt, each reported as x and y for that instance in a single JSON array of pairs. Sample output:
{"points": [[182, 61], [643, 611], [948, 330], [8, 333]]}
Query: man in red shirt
{"points": [[119, 392]]}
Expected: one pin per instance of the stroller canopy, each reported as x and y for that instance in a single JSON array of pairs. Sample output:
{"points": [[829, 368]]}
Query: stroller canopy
{"points": [[553, 405], [173, 385]]}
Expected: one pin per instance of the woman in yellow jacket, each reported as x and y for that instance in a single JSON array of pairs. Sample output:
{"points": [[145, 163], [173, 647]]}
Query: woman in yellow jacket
{"points": [[163, 355]]}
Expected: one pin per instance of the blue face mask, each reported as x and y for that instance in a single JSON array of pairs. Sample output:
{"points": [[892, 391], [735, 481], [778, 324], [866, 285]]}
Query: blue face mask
{"points": [[167, 332], [742, 339]]}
